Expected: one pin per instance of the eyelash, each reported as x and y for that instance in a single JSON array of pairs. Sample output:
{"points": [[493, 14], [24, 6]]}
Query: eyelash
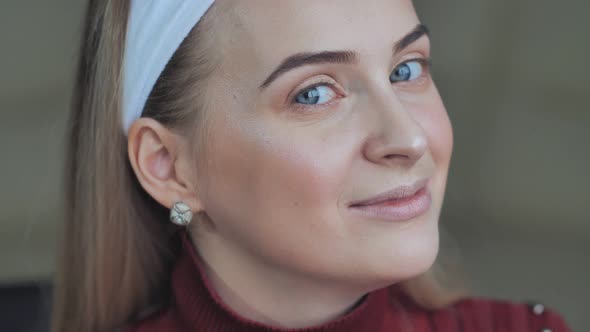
{"points": [[425, 62]]}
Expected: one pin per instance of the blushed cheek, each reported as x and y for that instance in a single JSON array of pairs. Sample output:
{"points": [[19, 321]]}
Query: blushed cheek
{"points": [[443, 134], [310, 174], [272, 171], [437, 126]]}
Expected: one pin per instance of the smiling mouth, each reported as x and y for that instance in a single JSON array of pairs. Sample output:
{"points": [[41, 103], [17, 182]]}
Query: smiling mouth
{"points": [[396, 194], [401, 204]]}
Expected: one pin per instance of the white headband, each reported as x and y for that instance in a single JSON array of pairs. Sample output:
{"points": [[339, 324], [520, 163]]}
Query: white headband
{"points": [[155, 29]]}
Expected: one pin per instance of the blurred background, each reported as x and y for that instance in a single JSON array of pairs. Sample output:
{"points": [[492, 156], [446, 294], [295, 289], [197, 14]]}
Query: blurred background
{"points": [[516, 81]]}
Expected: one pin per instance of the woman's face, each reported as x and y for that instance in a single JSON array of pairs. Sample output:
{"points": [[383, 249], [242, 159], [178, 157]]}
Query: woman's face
{"points": [[288, 153]]}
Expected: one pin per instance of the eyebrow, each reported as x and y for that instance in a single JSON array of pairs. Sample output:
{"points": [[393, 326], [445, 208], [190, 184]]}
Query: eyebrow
{"points": [[338, 57]]}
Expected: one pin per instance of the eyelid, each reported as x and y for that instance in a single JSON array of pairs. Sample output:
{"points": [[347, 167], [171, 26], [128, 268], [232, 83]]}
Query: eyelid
{"points": [[426, 63], [317, 81]]}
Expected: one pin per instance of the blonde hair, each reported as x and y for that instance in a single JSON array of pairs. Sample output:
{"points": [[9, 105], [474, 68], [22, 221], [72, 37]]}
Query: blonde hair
{"points": [[117, 247]]}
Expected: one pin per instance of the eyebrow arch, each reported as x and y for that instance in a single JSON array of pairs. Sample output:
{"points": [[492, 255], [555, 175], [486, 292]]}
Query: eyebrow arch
{"points": [[339, 57]]}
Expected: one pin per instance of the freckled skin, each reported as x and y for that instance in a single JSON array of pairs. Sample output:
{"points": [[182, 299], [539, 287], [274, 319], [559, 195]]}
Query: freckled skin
{"points": [[279, 179]]}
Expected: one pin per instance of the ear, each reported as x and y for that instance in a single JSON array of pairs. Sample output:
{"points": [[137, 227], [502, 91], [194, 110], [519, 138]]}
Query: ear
{"points": [[161, 161]]}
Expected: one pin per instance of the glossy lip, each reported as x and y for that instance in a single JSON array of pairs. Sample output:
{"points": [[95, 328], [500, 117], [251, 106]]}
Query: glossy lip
{"points": [[392, 195], [400, 204]]}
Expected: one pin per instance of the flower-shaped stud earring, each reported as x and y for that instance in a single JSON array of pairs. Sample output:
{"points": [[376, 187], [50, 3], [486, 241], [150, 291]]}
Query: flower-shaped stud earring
{"points": [[181, 214]]}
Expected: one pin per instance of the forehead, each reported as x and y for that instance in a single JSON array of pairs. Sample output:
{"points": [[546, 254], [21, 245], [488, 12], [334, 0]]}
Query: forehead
{"points": [[321, 24], [263, 32]]}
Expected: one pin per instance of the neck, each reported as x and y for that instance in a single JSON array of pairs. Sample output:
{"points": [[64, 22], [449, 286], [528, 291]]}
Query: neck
{"points": [[269, 294]]}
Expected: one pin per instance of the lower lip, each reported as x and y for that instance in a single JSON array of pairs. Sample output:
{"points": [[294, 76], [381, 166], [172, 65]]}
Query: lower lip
{"points": [[400, 209]]}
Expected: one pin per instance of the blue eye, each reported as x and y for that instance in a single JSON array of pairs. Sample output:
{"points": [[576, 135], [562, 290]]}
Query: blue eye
{"points": [[407, 71], [319, 94]]}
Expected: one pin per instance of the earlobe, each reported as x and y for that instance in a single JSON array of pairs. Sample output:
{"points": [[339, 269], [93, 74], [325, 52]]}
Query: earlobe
{"points": [[155, 154]]}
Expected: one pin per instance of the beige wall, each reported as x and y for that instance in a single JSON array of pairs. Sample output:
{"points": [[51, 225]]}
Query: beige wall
{"points": [[515, 79]]}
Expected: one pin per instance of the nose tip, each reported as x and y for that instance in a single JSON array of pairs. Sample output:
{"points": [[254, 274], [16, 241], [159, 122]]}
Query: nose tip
{"points": [[398, 140], [411, 151]]}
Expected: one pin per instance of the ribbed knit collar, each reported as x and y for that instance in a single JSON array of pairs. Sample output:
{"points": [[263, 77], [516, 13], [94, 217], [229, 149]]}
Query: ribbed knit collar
{"points": [[199, 305]]}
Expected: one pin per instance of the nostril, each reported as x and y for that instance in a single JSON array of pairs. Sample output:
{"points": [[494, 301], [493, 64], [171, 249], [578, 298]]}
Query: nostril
{"points": [[391, 156]]}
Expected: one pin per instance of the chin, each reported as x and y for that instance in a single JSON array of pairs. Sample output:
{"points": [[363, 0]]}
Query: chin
{"points": [[408, 255], [418, 262]]}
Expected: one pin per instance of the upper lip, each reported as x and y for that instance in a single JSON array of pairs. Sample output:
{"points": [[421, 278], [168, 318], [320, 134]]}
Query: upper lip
{"points": [[397, 193]]}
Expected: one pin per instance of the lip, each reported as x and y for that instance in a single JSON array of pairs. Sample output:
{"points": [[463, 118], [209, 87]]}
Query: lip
{"points": [[395, 194], [401, 204]]}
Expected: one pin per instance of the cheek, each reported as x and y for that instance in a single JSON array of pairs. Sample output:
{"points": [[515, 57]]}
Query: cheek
{"points": [[274, 194], [267, 182], [302, 174], [435, 121], [436, 124]]}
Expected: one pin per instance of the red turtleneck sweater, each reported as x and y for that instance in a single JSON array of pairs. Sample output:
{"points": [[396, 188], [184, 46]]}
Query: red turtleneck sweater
{"points": [[196, 306]]}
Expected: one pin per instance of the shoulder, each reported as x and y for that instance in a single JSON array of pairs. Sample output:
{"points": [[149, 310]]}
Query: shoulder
{"points": [[476, 313]]}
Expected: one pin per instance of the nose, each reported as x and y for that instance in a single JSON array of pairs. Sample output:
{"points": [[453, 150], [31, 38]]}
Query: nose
{"points": [[396, 136]]}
